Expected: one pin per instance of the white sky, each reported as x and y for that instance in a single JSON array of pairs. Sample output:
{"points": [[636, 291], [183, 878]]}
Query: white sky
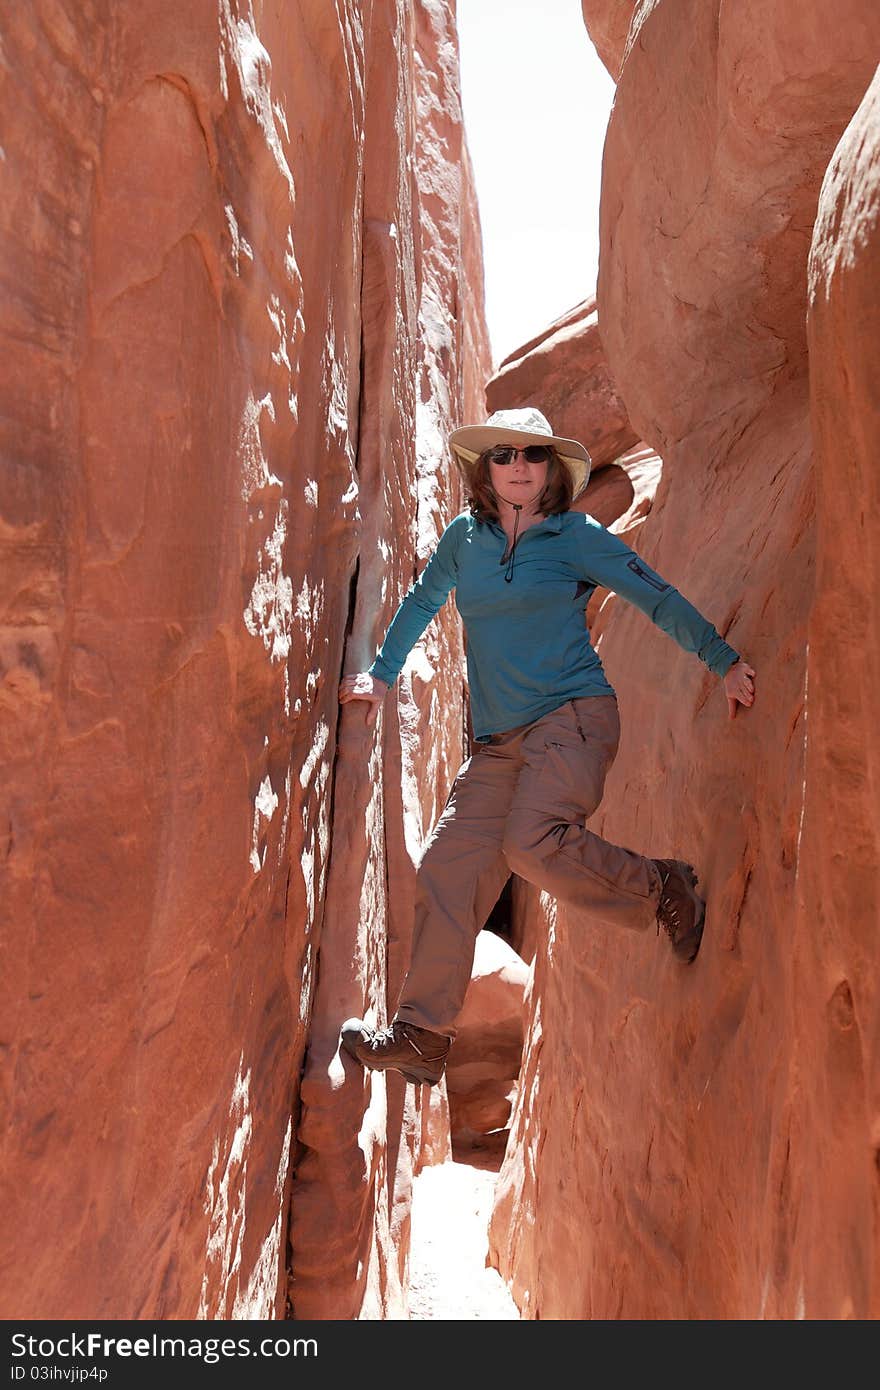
{"points": [[536, 102]]}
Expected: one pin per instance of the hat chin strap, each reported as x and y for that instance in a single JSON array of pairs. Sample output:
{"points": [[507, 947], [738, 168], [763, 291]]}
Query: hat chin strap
{"points": [[508, 573]]}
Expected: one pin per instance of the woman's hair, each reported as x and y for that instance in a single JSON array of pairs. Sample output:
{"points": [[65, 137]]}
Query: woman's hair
{"points": [[555, 497]]}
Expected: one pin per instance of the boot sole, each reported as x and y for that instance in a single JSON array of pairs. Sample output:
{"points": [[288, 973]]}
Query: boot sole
{"points": [[419, 1079], [411, 1072], [699, 922]]}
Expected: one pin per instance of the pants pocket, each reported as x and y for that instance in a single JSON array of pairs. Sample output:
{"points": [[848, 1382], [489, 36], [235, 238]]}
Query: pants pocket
{"points": [[597, 720]]}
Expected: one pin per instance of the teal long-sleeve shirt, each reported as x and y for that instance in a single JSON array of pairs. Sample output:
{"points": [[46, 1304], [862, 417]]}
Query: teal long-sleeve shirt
{"points": [[528, 646]]}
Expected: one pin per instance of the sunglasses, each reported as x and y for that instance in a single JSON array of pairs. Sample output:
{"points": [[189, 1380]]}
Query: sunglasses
{"points": [[532, 453]]}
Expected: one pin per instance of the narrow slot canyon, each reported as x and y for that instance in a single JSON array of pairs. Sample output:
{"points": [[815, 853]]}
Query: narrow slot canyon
{"points": [[244, 308]]}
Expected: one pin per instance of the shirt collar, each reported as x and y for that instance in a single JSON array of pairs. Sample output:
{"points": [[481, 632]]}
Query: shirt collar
{"points": [[551, 524]]}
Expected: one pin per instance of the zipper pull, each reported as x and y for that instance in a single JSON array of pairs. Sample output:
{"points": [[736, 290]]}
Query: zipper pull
{"points": [[508, 574]]}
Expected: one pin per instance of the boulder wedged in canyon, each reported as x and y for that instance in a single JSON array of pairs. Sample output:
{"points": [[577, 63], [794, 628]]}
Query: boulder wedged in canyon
{"points": [[233, 243], [714, 1174], [565, 374], [709, 316], [608, 24]]}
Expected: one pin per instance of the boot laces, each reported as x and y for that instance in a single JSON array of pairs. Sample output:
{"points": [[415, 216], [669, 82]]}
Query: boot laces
{"points": [[667, 912], [387, 1035]]}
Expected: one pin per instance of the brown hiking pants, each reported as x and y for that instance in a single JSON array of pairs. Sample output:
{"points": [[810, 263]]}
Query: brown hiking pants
{"points": [[518, 805]]}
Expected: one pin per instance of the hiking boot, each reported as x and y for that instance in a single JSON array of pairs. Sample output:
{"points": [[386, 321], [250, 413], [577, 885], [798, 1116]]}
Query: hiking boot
{"points": [[417, 1053], [681, 910]]}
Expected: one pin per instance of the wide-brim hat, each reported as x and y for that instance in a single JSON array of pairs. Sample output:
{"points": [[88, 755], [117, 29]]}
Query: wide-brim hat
{"points": [[520, 427]]}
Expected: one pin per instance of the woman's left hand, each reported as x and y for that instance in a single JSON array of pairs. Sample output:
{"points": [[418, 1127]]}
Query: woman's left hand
{"points": [[739, 686]]}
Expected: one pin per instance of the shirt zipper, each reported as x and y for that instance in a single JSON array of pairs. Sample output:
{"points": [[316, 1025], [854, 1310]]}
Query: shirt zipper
{"points": [[643, 574], [519, 540]]}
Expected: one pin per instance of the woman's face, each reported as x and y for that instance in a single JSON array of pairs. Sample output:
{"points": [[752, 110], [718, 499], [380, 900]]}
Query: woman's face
{"points": [[519, 481]]}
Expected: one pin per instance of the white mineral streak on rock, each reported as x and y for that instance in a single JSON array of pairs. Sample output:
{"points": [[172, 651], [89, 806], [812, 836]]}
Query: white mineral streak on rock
{"points": [[281, 117], [411, 760], [372, 897], [277, 318], [225, 1201], [413, 753], [289, 325], [290, 265], [305, 988], [285, 816], [372, 1130], [257, 1302], [226, 1206], [322, 735], [265, 806], [334, 389], [240, 247], [307, 865], [256, 474], [309, 607], [269, 613], [383, 1295], [255, 470], [323, 828], [240, 44], [417, 664], [370, 964], [431, 452], [548, 908], [430, 415]]}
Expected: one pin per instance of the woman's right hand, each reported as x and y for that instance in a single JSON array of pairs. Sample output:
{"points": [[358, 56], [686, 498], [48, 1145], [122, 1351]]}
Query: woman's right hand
{"points": [[739, 686], [363, 686]]}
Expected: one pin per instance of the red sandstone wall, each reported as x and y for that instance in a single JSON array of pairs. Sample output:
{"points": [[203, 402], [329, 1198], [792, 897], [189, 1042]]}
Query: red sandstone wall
{"points": [[725, 1115], [363, 1136], [836, 1120], [223, 308]]}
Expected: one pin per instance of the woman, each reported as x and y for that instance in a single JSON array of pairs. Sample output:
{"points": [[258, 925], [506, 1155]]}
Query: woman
{"points": [[545, 721]]}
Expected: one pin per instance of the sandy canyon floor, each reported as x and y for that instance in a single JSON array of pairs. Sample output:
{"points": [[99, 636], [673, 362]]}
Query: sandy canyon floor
{"points": [[452, 1203]]}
